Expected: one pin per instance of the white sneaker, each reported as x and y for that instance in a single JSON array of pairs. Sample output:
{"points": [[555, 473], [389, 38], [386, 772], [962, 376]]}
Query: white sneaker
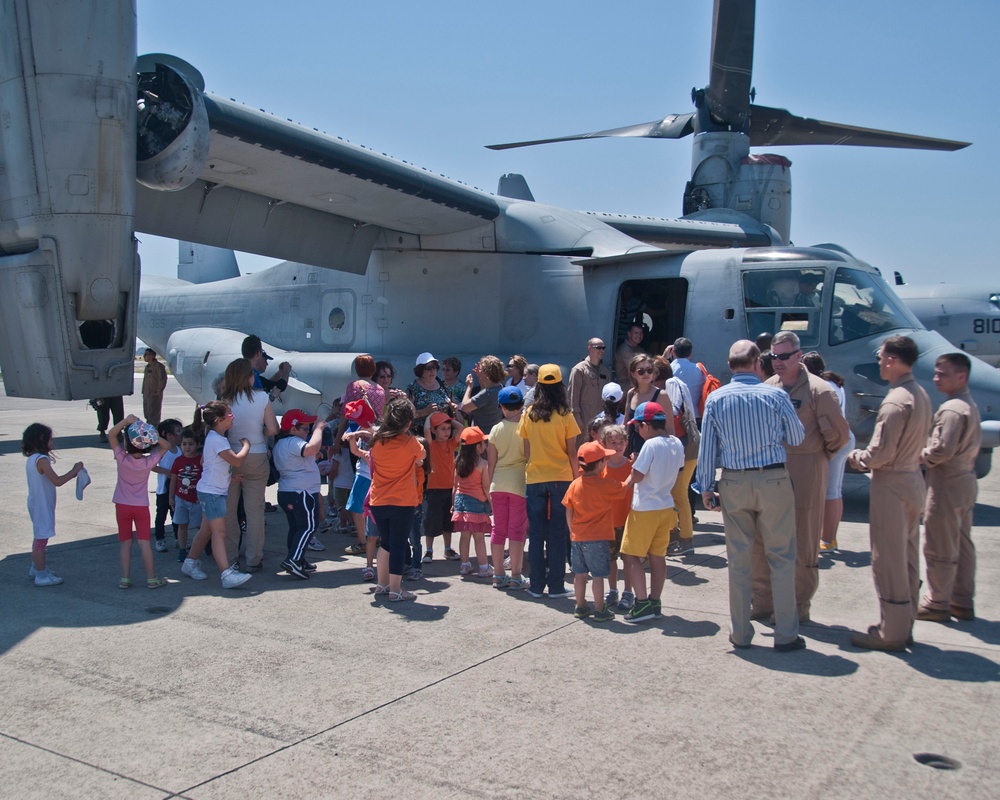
{"points": [[47, 578], [161, 545], [192, 568], [233, 578], [315, 544], [31, 572], [465, 568]]}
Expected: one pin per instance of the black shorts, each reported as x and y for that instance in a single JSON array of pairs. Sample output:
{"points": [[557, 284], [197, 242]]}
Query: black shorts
{"points": [[437, 519]]}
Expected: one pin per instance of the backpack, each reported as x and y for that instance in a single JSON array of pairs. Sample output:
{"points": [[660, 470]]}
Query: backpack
{"points": [[711, 384]]}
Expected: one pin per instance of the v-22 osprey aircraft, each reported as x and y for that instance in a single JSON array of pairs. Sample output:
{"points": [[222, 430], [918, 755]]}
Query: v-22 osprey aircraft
{"points": [[423, 262]]}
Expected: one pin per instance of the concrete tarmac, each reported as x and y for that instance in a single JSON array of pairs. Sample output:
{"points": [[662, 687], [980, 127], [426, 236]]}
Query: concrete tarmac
{"points": [[315, 689]]}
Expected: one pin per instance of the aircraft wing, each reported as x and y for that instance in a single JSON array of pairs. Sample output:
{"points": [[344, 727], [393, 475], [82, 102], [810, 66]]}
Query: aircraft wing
{"points": [[273, 187]]}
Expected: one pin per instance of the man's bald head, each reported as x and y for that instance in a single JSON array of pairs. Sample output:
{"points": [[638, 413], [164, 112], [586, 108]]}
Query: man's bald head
{"points": [[743, 356]]}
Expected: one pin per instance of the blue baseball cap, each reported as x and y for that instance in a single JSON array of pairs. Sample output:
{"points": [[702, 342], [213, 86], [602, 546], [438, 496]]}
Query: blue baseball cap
{"points": [[510, 395]]}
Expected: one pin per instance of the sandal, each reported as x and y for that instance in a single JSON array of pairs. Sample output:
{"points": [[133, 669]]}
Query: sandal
{"points": [[125, 583], [500, 581], [356, 549], [367, 574], [155, 583], [517, 584], [396, 597], [380, 589]]}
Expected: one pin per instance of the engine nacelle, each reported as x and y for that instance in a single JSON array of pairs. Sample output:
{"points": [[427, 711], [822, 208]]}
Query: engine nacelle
{"points": [[725, 175], [172, 139]]}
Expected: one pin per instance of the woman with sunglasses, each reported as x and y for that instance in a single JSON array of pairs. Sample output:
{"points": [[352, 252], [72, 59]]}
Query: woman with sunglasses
{"points": [[642, 373]]}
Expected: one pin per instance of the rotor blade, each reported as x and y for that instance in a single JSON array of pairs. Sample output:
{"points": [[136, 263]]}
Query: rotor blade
{"points": [[772, 127], [728, 91], [674, 126]]}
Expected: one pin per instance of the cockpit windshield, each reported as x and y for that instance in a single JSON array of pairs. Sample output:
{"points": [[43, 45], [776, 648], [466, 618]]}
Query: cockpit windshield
{"points": [[785, 300], [862, 306]]}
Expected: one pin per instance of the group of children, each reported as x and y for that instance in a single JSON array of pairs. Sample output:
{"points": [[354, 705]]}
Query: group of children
{"points": [[454, 479]]}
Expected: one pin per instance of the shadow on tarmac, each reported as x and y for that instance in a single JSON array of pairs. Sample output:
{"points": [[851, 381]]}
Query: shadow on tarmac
{"points": [[849, 558], [90, 597], [12, 447]]}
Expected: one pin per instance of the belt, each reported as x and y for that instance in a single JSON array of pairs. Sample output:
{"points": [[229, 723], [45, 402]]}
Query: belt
{"points": [[755, 469]]}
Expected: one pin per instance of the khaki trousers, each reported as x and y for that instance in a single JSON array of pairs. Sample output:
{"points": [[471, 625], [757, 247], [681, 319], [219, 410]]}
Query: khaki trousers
{"points": [[760, 503], [948, 549], [254, 472], [682, 499], [808, 472], [897, 499], [152, 408]]}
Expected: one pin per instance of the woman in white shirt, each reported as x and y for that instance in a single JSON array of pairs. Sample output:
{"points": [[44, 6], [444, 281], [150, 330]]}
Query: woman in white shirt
{"points": [[254, 420]]}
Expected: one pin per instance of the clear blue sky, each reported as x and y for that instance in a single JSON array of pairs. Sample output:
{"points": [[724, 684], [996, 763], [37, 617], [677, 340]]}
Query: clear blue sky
{"points": [[433, 82]]}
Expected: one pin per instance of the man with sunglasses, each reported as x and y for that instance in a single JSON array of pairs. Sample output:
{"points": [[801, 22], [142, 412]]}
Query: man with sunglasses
{"points": [[826, 431], [897, 495], [586, 380]]}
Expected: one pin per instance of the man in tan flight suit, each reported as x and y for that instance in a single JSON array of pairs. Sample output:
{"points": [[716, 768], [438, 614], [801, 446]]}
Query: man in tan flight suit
{"points": [[950, 456], [897, 495], [154, 381], [586, 380], [818, 409]]}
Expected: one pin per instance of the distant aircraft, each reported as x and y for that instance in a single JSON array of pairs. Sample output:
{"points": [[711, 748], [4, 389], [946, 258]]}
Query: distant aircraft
{"points": [[967, 316], [423, 262]]}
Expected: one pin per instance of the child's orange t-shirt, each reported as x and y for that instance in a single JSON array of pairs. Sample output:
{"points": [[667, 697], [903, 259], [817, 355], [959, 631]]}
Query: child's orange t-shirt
{"points": [[442, 453], [620, 508], [592, 499], [394, 481]]}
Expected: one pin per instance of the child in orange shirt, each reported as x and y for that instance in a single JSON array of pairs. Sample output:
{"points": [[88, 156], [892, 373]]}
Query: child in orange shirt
{"points": [[442, 435], [395, 453], [589, 502], [472, 501], [615, 437]]}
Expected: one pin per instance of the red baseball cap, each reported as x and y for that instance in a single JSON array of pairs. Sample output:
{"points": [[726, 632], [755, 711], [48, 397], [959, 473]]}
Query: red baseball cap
{"points": [[295, 416]]}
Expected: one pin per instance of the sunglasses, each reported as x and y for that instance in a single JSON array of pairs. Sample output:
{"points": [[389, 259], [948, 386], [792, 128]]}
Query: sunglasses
{"points": [[781, 356], [598, 347], [645, 371]]}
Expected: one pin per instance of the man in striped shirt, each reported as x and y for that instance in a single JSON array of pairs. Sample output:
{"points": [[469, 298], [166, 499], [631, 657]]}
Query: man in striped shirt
{"points": [[743, 431]]}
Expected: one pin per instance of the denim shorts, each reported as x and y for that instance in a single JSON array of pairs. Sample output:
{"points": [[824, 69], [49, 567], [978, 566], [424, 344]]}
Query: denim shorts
{"points": [[470, 505], [592, 557], [213, 506], [186, 512], [359, 491]]}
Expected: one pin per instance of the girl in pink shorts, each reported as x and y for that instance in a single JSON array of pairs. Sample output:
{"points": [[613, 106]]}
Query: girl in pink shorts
{"points": [[505, 457], [131, 497]]}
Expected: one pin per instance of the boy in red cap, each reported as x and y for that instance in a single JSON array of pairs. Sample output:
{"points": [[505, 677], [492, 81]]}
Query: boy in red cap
{"points": [[653, 516], [589, 502]]}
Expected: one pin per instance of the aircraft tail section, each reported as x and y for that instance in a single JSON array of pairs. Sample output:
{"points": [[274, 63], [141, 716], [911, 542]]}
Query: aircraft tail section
{"points": [[515, 187], [200, 263]]}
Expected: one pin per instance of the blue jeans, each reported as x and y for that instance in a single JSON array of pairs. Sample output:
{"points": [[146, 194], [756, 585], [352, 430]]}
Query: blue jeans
{"points": [[548, 535], [416, 540]]}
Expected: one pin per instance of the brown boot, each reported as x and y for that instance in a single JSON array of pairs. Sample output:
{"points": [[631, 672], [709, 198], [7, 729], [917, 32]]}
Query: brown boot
{"points": [[873, 641], [929, 614]]}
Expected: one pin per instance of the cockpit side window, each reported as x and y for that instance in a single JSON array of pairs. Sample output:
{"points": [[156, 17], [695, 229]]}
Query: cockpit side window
{"points": [[862, 306], [785, 300]]}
